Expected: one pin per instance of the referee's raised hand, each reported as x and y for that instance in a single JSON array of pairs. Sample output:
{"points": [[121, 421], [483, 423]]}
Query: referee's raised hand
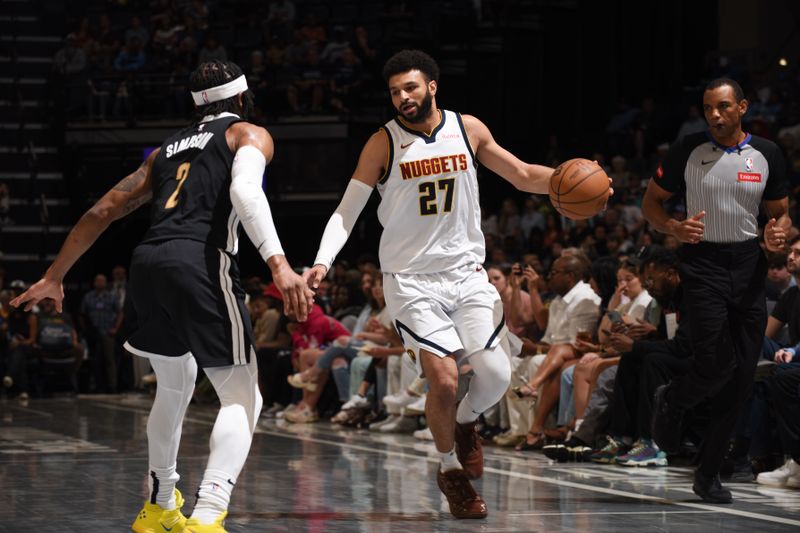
{"points": [[692, 229]]}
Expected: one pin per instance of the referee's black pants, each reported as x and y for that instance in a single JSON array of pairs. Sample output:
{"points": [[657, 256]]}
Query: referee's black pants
{"points": [[723, 288]]}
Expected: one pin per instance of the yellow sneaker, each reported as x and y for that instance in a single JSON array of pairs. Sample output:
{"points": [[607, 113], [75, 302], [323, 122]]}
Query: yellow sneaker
{"points": [[193, 525], [153, 519]]}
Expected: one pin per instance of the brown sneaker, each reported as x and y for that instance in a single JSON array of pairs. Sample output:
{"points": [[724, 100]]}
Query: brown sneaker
{"points": [[463, 500], [469, 450]]}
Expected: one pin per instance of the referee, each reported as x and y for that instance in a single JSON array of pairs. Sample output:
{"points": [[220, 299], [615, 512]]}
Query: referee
{"points": [[725, 175]]}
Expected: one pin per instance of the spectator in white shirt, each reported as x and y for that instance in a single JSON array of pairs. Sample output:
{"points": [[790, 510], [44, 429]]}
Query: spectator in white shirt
{"points": [[574, 311]]}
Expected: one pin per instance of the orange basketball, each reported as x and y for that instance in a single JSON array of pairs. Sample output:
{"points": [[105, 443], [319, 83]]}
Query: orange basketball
{"points": [[579, 189]]}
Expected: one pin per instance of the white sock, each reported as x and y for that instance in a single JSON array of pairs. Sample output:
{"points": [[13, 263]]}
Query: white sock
{"points": [[449, 461], [213, 496], [162, 483]]}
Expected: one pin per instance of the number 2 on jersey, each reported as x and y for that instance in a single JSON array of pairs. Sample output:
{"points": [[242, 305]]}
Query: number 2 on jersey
{"points": [[180, 175], [427, 199]]}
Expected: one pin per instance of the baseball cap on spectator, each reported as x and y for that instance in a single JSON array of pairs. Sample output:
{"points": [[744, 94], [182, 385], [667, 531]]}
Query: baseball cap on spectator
{"points": [[271, 291]]}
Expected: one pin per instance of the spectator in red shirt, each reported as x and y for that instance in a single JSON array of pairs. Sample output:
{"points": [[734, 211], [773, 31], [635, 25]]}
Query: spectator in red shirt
{"points": [[309, 340]]}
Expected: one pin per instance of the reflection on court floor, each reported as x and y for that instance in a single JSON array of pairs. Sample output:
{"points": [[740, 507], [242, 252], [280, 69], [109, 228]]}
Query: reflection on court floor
{"points": [[84, 461]]}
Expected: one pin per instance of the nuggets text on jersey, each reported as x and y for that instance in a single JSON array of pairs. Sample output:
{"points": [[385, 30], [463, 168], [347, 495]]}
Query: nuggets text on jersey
{"points": [[432, 166]]}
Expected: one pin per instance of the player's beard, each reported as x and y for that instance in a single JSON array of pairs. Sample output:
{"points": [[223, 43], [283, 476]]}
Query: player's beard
{"points": [[424, 109]]}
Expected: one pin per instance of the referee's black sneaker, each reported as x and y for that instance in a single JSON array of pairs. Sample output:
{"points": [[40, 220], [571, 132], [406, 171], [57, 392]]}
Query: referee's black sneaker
{"points": [[667, 423], [710, 489]]}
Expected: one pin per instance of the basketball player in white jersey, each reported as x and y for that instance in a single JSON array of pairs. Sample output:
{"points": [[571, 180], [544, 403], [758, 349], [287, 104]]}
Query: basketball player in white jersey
{"points": [[424, 164]]}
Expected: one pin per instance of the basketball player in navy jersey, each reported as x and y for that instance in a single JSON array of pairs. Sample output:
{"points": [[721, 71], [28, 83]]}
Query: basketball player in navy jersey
{"points": [[186, 301], [424, 164]]}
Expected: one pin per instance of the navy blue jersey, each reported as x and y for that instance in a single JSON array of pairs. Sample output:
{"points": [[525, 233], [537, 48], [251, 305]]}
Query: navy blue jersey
{"points": [[191, 178]]}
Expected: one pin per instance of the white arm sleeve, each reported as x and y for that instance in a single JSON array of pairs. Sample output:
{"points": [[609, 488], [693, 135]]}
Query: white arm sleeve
{"points": [[342, 221], [251, 204]]}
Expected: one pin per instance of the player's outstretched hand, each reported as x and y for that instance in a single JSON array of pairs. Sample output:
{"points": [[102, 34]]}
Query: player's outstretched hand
{"points": [[42, 289], [774, 236], [314, 276], [297, 297]]}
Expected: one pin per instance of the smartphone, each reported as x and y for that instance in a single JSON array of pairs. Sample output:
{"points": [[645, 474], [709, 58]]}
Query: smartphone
{"points": [[614, 317]]}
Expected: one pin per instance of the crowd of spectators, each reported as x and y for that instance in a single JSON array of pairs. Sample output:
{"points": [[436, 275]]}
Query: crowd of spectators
{"points": [[138, 61]]}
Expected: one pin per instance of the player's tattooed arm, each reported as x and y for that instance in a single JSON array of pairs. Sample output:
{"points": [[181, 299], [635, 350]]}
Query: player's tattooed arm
{"points": [[129, 194], [133, 191], [136, 186], [135, 203], [132, 181]]}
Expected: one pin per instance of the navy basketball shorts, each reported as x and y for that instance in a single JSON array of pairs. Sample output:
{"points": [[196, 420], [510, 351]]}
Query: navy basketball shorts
{"points": [[185, 299]]}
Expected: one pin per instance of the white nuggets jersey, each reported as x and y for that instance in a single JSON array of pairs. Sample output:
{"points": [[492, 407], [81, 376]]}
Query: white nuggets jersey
{"points": [[429, 200]]}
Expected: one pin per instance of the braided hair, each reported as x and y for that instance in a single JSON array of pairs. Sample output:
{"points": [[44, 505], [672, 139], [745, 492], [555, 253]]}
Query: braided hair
{"points": [[213, 74]]}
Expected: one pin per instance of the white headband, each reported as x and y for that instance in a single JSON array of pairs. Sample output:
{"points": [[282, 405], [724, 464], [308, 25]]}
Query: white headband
{"points": [[220, 92]]}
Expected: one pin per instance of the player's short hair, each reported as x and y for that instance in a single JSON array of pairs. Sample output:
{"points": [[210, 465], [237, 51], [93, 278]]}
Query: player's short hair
{"points": [[738, 93], [406, 60], [212, 74]]}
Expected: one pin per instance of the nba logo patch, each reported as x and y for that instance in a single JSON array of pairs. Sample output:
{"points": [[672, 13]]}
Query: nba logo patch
{"points": [[748, 163]]}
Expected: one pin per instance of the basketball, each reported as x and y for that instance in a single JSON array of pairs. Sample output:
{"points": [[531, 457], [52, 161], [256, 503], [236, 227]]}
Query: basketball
{"points": [[579, 189]]}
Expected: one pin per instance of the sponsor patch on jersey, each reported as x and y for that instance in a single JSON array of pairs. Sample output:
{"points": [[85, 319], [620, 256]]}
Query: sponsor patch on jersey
{"points": [[748, 163], [753, 177]]}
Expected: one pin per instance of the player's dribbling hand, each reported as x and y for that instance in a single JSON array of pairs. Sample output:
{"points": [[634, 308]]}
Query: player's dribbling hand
{"points": [[692, 229], [314, 275], [774, 236], [42, 289]]}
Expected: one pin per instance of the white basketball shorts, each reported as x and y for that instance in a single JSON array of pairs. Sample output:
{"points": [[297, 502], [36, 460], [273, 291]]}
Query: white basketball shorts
{"points": [[445, 312]]}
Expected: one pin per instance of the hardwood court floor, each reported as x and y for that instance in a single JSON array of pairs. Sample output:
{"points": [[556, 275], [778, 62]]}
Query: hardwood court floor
{"points": [[79, 465]]}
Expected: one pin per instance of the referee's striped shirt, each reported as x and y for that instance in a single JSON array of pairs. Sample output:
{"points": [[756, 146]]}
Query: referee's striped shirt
{"points": [[728, 183]]}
